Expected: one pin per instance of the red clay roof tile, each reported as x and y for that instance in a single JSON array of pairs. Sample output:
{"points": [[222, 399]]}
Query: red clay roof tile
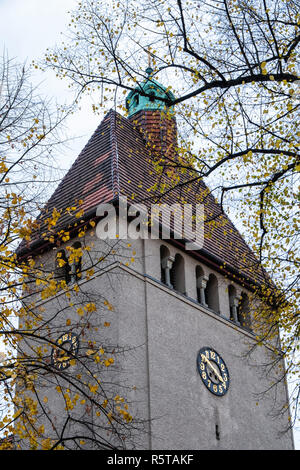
{"points": [[116, 161]]}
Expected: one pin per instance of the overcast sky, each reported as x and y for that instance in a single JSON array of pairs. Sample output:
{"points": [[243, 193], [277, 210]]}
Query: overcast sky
{"points": [[27, 28]]}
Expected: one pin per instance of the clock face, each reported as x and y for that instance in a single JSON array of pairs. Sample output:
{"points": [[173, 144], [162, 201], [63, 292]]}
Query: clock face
{"points": [[213, 371], [61, 358]]}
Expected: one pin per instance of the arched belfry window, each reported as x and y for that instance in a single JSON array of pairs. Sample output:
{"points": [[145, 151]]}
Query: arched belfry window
{"points": [[233, 304], [201, 283], [62, 268], [239, 308], [212, 293], [151, 96], [244, 311], [177, 274], [75, 260], [172, 270]]}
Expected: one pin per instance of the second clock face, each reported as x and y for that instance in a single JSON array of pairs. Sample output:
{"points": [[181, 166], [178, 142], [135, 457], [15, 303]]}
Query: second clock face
{"points": [[61, 358], [213, 371]]}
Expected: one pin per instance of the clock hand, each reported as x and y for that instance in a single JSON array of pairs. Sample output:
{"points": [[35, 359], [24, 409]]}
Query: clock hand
{"points": [[212, 368]]}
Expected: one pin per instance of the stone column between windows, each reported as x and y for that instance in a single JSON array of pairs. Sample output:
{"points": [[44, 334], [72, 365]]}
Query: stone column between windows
{"points": [[167, 264], [201, 285], [234, 307]]}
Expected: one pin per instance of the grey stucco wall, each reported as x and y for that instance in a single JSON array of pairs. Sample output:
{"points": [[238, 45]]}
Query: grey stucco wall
{"points": [[183, 413], [161, 332]]}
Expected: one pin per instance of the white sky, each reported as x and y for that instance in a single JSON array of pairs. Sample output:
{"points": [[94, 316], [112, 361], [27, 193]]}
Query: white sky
{"points": [[27, 28]]}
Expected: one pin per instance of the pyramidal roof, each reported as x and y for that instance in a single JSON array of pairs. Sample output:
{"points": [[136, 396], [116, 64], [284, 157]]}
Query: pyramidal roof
{"points": [[116, 162]]}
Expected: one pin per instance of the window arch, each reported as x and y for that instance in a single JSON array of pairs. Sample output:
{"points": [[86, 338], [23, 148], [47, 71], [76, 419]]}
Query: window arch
{"points": [[75, 260], [62, 268], [212, 293], [239, 308], [244, 311], [152, 96], [177, 274], [232, 303]]}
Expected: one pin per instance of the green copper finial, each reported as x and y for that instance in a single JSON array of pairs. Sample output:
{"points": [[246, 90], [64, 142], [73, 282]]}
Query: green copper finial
{"points": [[144, 96], [149, 71]]}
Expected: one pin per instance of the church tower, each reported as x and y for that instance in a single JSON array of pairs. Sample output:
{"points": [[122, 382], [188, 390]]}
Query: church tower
{"points": [[163, 329]]}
